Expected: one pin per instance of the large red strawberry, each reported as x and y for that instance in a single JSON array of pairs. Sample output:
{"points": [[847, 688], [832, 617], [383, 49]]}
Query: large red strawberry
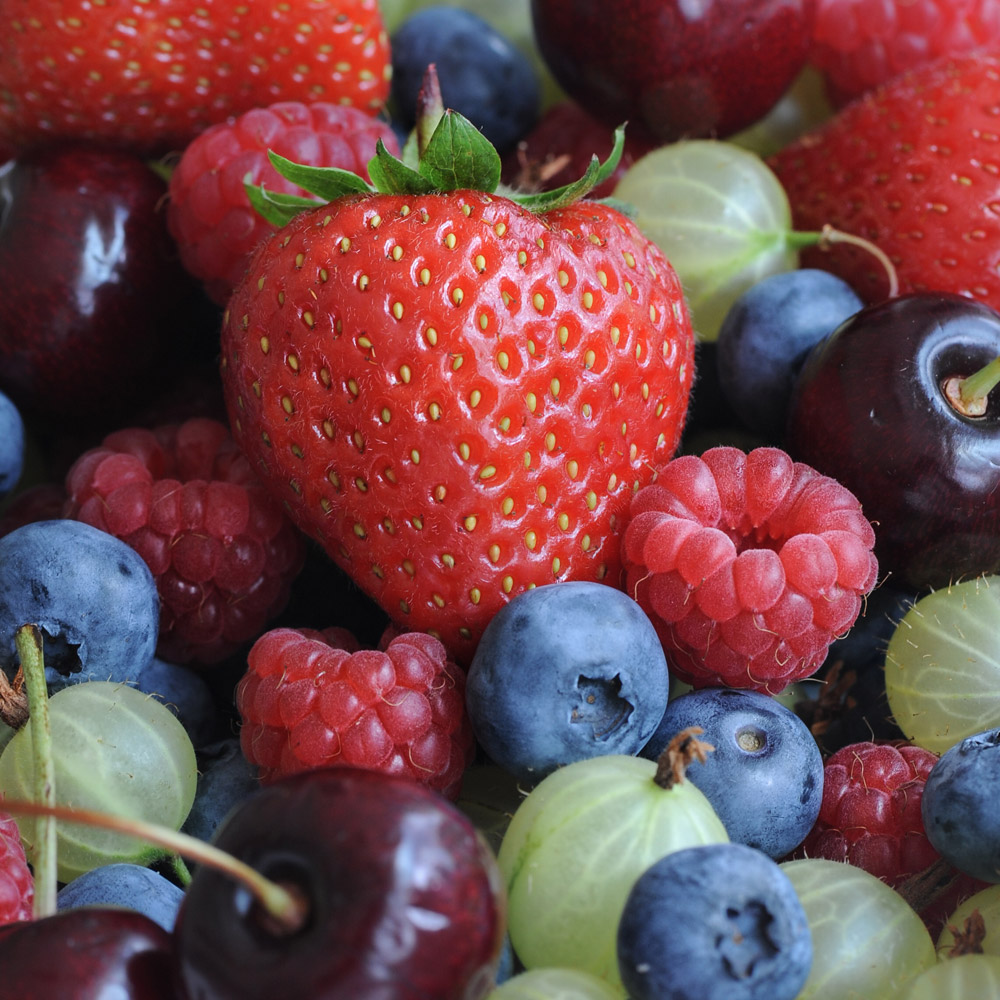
{"points": [[153, 74], [456, 395], [915, 168]]}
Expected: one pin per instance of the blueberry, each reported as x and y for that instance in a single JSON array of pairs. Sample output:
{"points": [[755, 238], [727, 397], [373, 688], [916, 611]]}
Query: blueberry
{"points": [[717, 922], [482, 74], [11, 445], [225, 778], [92, 596], [961, 806], [186, 693], [765, 776], [766, 336], [131, 886], [566, 672]]}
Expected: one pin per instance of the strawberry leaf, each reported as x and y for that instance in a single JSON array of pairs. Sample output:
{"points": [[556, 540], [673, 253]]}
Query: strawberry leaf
{"points": [[596, 173], [327, 183], [459, 156], [390, 174], [277, 208]]}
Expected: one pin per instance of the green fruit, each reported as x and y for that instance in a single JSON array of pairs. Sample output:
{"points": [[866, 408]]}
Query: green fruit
{"points": [[554, 984], [721, 217], [115, 750], [868, 942], [575, 847], [965, 976], [942, 665], [987, 903]]}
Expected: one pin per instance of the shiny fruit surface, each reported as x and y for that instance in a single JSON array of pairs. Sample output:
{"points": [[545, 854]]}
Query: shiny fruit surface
{"points": [[402, 896], [680, 68]]}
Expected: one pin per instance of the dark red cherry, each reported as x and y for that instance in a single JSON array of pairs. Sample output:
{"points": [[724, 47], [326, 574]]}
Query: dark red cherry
{"points": [[95, 306], [870, 408], [403, 897], [87, 954], [681, 68]]}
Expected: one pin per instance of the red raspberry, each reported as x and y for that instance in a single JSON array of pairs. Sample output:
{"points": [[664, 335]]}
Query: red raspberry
{"points": [[17, 887], [560, 147], [749, 565], [859, 44], [209, 214], [221, 549], [311, 699], [870, 817]]}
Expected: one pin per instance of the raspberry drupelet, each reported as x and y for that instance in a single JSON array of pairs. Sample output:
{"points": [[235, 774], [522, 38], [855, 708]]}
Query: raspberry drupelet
{"points": [[748, 565]]}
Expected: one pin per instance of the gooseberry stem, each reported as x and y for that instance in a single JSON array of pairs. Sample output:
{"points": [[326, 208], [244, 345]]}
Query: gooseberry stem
{"points": [[684, 748], [970, 395], [30, 651], [828, 236], [288, 910]]}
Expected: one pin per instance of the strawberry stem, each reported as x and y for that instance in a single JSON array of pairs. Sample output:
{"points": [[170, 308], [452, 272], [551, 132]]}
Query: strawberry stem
{"points": [[970, 395], [30, 651], [287, 910]]}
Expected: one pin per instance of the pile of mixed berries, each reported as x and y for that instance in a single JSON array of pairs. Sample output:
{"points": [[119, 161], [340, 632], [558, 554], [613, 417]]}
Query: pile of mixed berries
{"points": [[501, 528]]}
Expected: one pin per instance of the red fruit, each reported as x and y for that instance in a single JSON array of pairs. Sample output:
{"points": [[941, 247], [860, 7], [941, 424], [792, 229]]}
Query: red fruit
{"points": [[870, 818], [749, 566], [681, 68], [309, 699], [185, 498], [458, 397], [858, 45], [559, 148], [209, 213], [17, 887], [153, 75], [96, 311], [912, 167]]}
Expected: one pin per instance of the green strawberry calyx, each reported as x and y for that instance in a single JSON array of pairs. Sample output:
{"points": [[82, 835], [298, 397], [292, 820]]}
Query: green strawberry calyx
{"points": [[446, 152]]}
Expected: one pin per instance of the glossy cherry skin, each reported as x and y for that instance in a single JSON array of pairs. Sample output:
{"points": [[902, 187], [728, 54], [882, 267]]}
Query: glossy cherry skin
{"points": [[682, 69], [869, 410], [87, 954], [404, 897], [95, 306]]}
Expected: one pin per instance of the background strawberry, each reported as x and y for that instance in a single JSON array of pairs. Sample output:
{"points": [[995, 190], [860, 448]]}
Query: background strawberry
{"points": [[153, 75], [913, 167], [456, 396]]}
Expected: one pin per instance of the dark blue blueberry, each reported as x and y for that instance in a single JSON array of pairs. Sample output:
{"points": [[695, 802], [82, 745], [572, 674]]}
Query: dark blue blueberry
{"points": [[11, 445], [566, 672], [766, 336], [131, 886], [961, 806], [718, 922], [482, 74], [225, 778], [187, 694], [765, 776], [92, 596]]}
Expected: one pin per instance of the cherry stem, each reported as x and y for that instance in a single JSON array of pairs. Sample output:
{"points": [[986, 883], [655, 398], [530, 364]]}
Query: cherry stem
{"points": [[970, 395], [828, 236], [287, 909], [684, 748], [30, 651]]}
